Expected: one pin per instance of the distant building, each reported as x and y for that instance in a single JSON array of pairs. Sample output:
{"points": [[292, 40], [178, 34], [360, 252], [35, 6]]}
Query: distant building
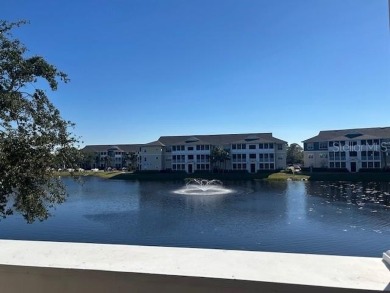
{"points": [[151, 156], [352, 149], [111, 156], [249, 152]]}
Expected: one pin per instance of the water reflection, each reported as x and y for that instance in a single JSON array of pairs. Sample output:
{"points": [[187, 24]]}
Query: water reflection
{"points": [[372, 194], [296, 202]]}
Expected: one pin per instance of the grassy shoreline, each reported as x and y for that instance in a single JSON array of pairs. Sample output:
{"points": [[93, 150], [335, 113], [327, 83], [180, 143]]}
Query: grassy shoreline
{"points": [[272, 176]]}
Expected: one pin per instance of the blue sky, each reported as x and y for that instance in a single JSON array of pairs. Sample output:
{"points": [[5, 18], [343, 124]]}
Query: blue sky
{"points": [[140, 69]]}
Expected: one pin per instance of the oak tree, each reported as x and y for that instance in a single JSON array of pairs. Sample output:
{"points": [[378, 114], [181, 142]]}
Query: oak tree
{"points": [[34, 138]]}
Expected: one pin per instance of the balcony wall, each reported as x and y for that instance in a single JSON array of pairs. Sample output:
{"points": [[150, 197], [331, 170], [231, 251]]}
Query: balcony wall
{"points": [[29, 266]]}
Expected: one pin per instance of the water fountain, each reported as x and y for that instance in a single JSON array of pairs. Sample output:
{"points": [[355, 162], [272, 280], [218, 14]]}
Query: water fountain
{"points": [[198, 186]]}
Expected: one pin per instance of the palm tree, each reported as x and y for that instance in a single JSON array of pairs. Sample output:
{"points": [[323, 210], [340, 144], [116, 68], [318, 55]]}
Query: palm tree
{"points": [[218, 156]]}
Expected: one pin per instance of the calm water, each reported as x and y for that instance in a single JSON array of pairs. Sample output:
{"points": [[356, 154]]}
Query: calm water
{"points": [[301, 217]]}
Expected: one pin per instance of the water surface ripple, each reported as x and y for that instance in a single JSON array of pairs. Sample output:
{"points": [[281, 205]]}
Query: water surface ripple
{"points": [[300, 217]]}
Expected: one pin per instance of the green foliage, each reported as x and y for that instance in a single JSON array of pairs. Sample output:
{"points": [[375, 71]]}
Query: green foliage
{"points": [[89, 160], [34, 139], [219, 157], [294, 154]]}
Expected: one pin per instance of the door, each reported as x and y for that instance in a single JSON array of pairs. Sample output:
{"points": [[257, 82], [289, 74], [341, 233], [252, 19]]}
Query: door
{"points": [[353, 166], [253, 168], [190, 168]]}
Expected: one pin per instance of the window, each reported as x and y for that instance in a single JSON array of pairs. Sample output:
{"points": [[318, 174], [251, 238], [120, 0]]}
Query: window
{"points": [[323, 145], [331, 165], [331, 156], [261, 146], [261, 166], [271, 156], [280, 146], [266, 145], [343, 165], [201, 147], [271, 145], [363, 142], [364, 164], [272, 166], [252, 146], [331, 144], [190, 148], [309, 146], [323, 156], [376, 165], [190, 157], [174, 149], [310, 156], [353, 154], [252, 156]]}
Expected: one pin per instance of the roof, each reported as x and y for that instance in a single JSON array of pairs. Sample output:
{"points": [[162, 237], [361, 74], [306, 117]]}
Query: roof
{"points": [[153, 143], [351, 134], [220, 139], [128, 148]]}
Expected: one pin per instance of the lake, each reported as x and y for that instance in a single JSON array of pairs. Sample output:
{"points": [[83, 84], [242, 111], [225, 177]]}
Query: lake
{"points": [[293, 216]]}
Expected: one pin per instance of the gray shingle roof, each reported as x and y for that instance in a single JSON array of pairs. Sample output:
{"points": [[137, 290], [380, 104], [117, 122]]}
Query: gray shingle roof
{"points": [[128, 148], [351, 134], [220, 139], [154, 143]]}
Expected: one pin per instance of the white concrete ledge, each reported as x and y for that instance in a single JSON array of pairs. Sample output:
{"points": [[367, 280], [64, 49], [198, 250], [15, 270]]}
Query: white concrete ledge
{"points": [[386, 257], [81, 267]]}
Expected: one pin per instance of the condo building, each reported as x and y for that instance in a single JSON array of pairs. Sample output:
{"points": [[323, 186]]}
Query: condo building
{"points": [[251, 152], [112, 156], [351, 149]]}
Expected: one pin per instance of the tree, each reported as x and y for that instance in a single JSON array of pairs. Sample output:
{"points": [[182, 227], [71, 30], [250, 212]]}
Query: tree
{"points": [[89, 160], [218, 156], [294, 154], [33, 136]]}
